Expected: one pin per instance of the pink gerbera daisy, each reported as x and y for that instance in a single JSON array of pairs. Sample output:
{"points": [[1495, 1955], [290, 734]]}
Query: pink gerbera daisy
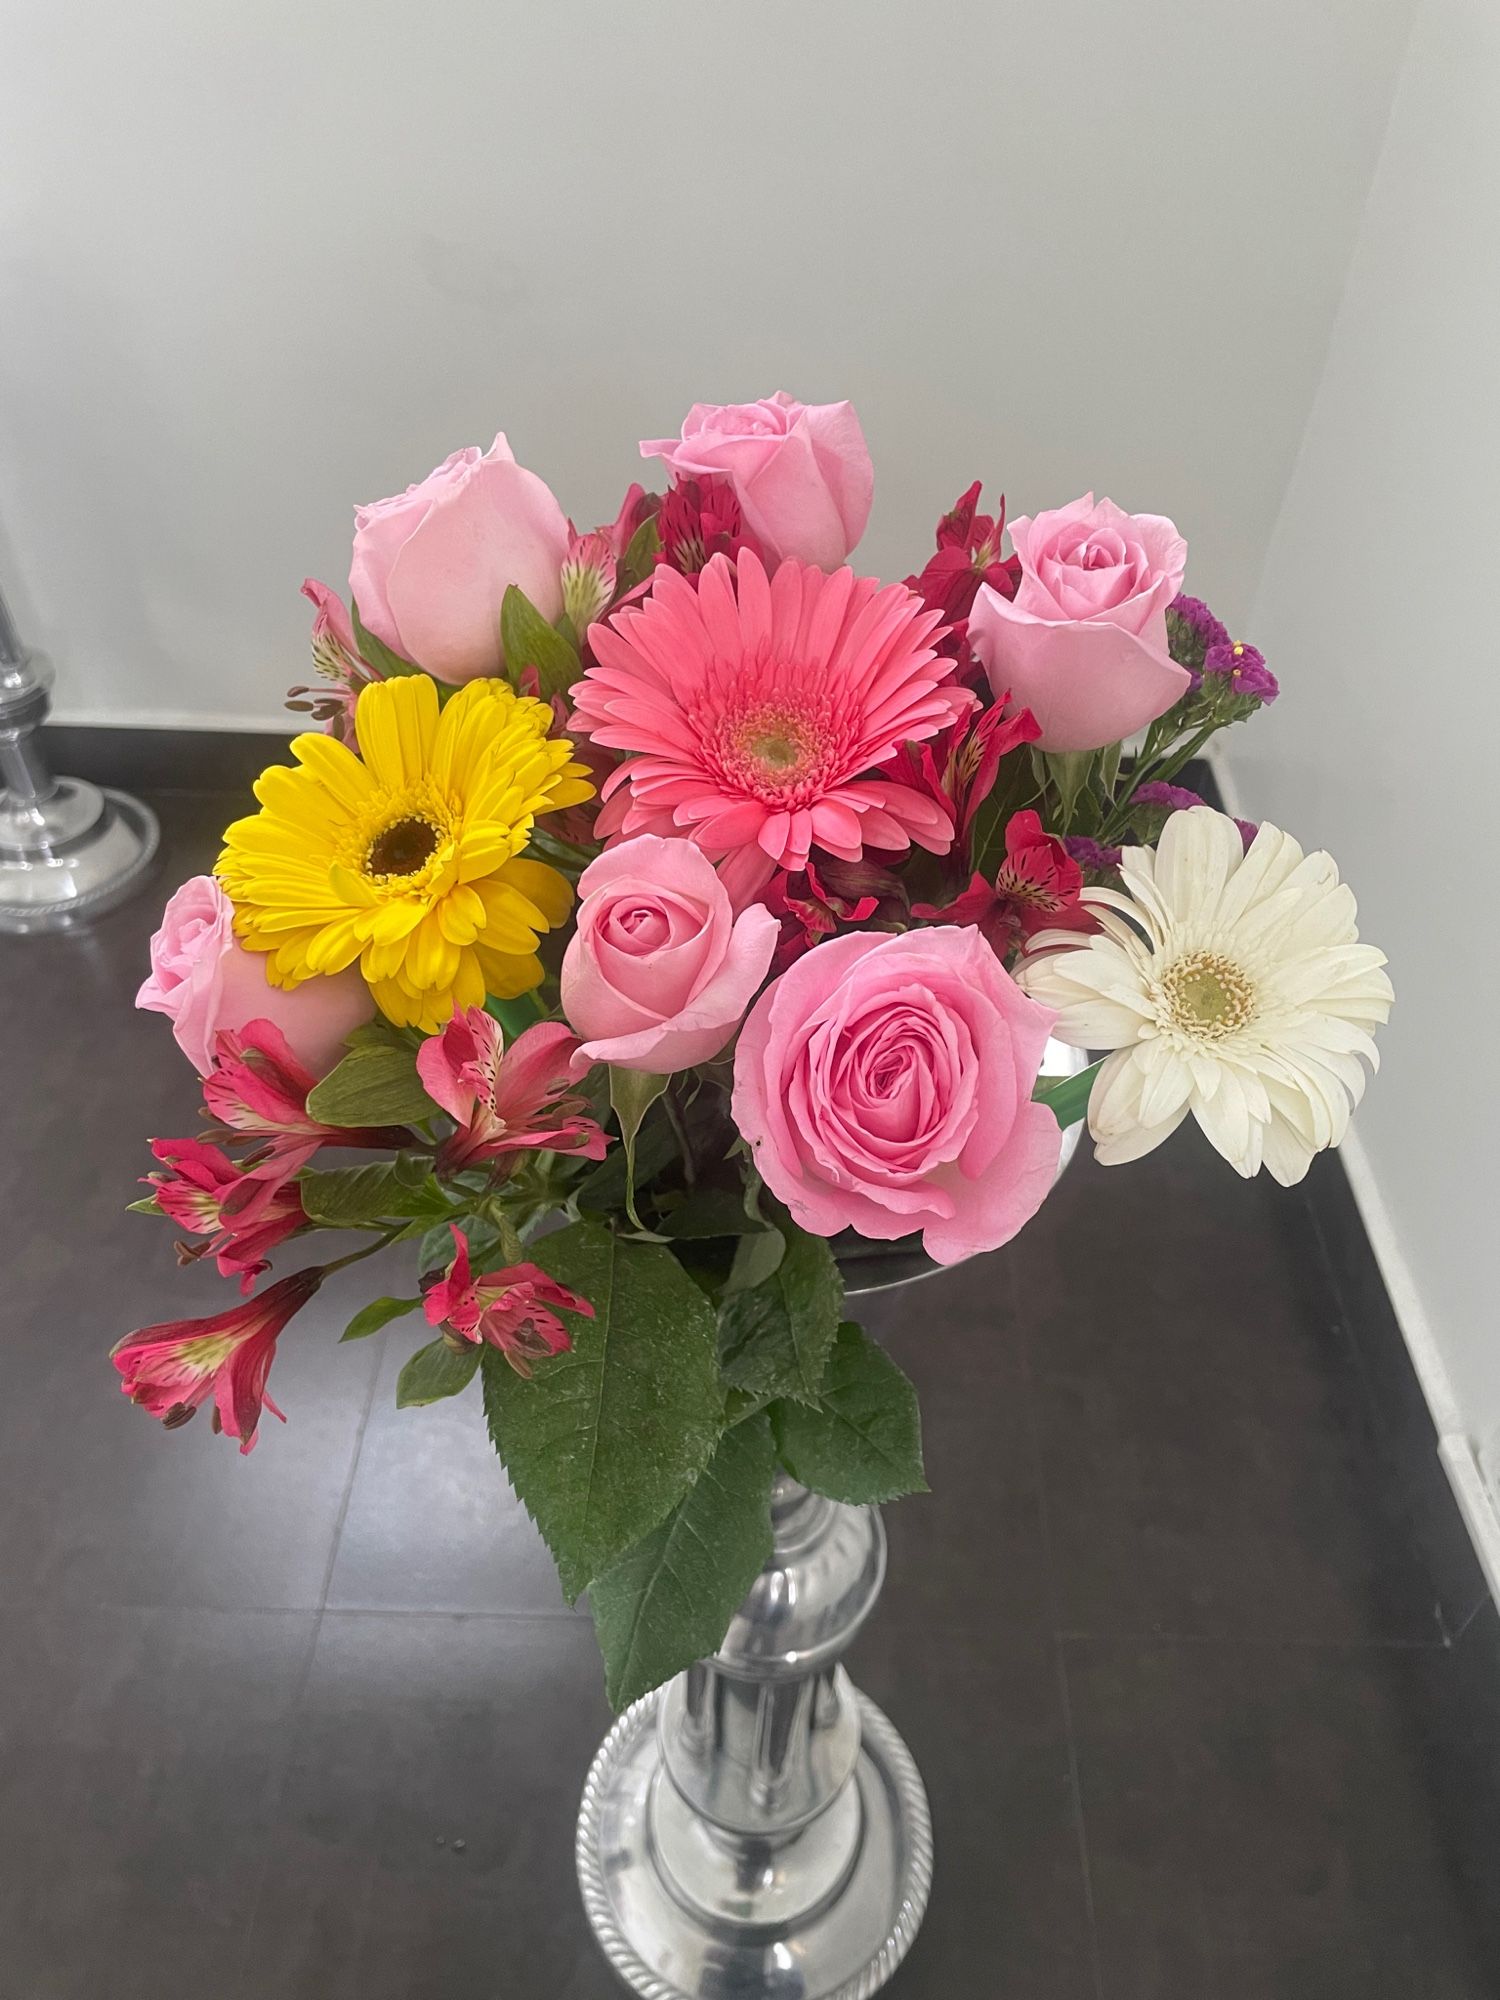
{"points": [[759, 711]]}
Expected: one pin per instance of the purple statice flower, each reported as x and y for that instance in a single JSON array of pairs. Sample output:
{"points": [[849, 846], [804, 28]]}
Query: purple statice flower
{"points": [[1244, 671], [1191, 629], [1176, 798], [1248, 831], [1089, 855]]}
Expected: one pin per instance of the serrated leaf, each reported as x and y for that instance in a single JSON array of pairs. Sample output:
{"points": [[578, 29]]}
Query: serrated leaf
{"points": [[775, 1337], [344, 1197], [669, 1600], [756, 1257], [378, 1313], [605, 1439], [435, 1371], [1066, 1097], [862, 1442], [375, 652], [529, 641], [375, 1084]]}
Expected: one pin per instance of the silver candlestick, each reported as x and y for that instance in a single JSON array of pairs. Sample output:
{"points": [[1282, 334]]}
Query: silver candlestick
{"points": [[756, 1830], [68, 850]]}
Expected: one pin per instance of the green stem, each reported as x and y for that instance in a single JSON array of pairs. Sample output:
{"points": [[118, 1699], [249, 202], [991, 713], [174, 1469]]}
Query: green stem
{"points": [[679, 1127], [357, 1256], [1160, 772]]}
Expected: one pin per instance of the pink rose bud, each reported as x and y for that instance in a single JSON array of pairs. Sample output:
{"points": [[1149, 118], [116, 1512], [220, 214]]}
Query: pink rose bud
{"points": [[800, 471], [204, 980], [660, 970], [1083, 643], [431, 566], [884, 1084]]}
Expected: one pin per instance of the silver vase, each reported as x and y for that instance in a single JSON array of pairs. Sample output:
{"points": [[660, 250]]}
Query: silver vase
{"points": [[756, 1830]]}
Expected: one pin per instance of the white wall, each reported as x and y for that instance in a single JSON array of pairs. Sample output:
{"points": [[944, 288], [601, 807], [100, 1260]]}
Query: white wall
{"points": [[261, 260], [1378, 609]]}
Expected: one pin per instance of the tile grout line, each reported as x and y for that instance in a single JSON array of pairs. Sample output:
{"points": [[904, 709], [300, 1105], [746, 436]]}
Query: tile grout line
{"points": [[304, 1678], [1059, 1661]]}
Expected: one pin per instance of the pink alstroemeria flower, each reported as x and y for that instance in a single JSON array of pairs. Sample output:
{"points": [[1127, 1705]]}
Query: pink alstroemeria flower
{"points": [[1036, 888], [506, 1100], [968, 554], [959, 767], [340, 667], [206, 1193], [699, 519], [507, 1309], [171, 1368]]}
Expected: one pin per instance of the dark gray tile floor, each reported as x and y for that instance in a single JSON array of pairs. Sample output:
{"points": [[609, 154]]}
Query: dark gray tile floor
{"points": [[1186, 1639]]}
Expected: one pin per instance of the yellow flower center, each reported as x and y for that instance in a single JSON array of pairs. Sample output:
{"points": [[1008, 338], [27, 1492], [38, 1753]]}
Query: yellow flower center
{"points": [[1206, 995], [208, 1352]]}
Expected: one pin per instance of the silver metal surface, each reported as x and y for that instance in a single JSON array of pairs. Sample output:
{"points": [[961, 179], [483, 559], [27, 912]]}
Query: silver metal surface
{"points": [[756, 1830], [68, 850]]}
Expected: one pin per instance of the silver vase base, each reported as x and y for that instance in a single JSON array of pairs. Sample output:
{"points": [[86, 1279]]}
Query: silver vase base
{"points": [[664, 1948], [69, 859]]}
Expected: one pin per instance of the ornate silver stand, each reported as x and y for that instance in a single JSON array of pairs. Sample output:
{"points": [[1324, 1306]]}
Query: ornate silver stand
{"points": [[67, 849], [756, 1830]]}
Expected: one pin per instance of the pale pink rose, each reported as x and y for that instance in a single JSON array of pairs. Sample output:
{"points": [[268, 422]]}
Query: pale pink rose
{"points": [[204, 980], [432, 565], [800, 471], [884, 1084], [660, 970], [1083, 644]]}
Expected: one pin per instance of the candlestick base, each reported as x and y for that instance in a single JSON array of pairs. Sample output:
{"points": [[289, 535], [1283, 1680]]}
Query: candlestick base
{"points": [[750, 1936], [68, 857]]}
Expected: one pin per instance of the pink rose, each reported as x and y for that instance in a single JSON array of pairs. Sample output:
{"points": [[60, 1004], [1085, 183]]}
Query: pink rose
{"points": [[884, 1084], [204, 980], [1083, 644], [660, 970], [800, 471], [431, 566]]}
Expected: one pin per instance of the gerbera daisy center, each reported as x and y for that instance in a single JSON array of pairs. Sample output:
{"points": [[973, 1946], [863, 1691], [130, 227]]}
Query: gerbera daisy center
{"points": [[774, 745], [1207, 995], [402, 848]]}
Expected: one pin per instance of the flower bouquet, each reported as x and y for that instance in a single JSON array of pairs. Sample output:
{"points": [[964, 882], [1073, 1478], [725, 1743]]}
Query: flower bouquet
{"points": [[658, 913]]}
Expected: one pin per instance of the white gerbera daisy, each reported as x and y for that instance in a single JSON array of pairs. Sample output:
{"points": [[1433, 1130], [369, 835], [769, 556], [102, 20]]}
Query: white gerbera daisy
{"points": [[1230, 984]]}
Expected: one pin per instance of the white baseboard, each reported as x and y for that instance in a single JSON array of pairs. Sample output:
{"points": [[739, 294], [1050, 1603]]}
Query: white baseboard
{"points": [[258, 724], [1476, 1494]]}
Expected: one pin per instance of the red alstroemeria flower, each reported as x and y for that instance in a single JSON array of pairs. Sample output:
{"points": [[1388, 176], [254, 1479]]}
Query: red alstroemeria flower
{"points": [[206, 1193], [171, 1368], [257, 1089], [506, 1100], [700, 518], [508, 1309], [824, 897], [1035, 889], [968, 554], [959, 767]]}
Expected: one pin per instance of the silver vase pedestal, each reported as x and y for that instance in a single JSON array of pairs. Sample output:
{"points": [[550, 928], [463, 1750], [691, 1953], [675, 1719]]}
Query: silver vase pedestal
{"points": [[757, 1830]]}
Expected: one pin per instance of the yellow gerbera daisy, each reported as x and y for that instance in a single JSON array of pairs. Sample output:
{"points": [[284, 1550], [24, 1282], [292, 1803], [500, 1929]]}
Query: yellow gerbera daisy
{"points": [[409, 860]]}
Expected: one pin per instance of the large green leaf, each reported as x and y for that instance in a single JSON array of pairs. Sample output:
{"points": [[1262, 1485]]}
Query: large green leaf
{"points": [[774, 1337], [344, 1197], [669, 1600], [375, 652], [863, 1441], [375, 1084], [604, 1440], [435, 1371], [529, 641], [1066, 1097]]}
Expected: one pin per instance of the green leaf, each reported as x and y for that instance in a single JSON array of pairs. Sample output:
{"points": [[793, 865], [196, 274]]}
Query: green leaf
{"points": [[515, 1016], [378, 1313], [435, 1251], [346, 1196], [712, 1212], [670, 1599], [632, 1092], [639, 558], [148, 1206], [863, 1441], [602, 1191], [434, 1372], [774, 1337], [375, 1084], [529, 641], [605, 1439], [375, 652], [1069, 771], [1066, 1097], [756, 1258]]}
